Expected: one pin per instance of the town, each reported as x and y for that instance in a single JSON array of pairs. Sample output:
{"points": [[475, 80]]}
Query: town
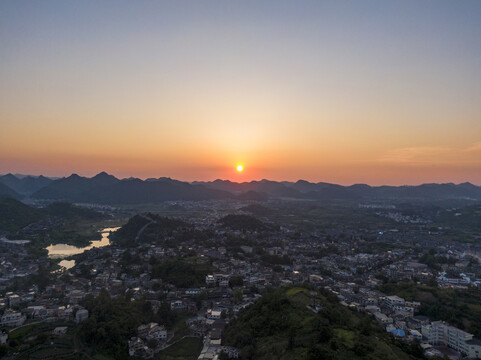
{"points": [[197, 273]]}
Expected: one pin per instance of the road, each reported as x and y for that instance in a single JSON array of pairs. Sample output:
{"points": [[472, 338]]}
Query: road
{"points": [[151, 221]]}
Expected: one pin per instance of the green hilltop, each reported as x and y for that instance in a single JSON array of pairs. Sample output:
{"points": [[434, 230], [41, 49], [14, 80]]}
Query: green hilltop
{"points": [[283, 324]]}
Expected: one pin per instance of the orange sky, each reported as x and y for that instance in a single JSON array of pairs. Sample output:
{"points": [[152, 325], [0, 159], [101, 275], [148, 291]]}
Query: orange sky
{"points": [[188, 90]]}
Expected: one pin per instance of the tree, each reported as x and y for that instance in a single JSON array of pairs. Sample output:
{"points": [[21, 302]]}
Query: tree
{"points": [[223, 355], [238, 296], [236, 281]]}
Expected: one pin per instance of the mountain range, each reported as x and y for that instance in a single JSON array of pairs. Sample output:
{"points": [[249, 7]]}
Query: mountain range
{"points": [[107, 189], [24, 185]]}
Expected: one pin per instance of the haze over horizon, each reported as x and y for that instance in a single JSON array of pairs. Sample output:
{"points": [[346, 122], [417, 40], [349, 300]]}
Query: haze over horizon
{"points": [[340, 92], [212, 180]]}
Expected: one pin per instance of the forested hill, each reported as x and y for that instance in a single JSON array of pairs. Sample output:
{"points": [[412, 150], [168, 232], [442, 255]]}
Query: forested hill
{"points": [[146, 227], [281, 326], [107, 189], [6, 191], [15, 215], [25, 185]]}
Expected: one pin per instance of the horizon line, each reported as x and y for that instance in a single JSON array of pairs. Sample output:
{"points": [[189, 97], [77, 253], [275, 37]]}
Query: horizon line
{"points": [[236, 182]]}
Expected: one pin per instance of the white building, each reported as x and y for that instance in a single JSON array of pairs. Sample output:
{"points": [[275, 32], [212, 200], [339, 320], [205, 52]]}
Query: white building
{"points": [[3, 338], [474, 348], [439, 332], [12, 319], [137, 347], [178, 305], [81, 315], [152, 331], [214, 314], [397, 303]]}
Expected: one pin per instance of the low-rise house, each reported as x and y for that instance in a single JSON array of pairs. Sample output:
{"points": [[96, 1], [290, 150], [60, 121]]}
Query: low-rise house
{"points": [[210, 280], [383, 319], [192, 292], [178, 305], [214, 314], [60, 330], [372, 309], [396, 303], [12, 319], [416, 334], [75, 296], [137, 347], [152, 331], [13, 300], [81, 315]]}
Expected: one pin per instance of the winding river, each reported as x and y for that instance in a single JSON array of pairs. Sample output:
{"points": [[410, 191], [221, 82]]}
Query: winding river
{"points": [[64, 250]]}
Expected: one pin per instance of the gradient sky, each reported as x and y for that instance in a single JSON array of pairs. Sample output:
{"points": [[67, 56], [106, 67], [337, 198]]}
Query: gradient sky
{"points": [[378, 92]]}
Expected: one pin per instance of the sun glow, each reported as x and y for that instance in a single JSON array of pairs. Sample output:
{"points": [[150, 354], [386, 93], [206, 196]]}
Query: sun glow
{"points": [[239, 168]]}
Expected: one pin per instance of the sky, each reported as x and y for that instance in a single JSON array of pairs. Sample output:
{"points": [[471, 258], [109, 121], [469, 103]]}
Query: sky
{"points": [[377, 92]]}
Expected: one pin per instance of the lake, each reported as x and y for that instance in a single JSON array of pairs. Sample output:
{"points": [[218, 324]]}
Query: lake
{"points": [[64, 250]]}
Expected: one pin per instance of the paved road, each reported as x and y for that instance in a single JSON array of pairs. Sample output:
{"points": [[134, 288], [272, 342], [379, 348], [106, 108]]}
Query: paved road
{"points": [[151, 221]]}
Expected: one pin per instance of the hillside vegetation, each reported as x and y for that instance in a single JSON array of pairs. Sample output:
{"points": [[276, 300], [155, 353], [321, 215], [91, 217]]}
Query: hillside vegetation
{"points": [[281, 326], [15, 215], [147, 227]]}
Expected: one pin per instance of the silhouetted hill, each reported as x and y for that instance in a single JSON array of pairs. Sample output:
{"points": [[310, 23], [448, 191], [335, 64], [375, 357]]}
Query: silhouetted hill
{"points": [[25, 185], [107, 189], [69, 211], [324, 191], [104, 179], [273, 188], [146, 227], [138, 191], [70, 188], [104, 188], [7, 192], [15, 215]]}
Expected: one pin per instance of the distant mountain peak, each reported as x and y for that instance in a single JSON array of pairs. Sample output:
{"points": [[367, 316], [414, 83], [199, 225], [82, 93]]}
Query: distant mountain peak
{"points": [[220, 181], [104, 175]]}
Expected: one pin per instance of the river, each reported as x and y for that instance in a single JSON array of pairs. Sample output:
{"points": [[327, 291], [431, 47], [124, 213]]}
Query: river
{"points": [[64, 250]]}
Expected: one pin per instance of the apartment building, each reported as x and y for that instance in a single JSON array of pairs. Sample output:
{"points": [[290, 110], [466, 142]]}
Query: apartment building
{"points": [[439, 332]]}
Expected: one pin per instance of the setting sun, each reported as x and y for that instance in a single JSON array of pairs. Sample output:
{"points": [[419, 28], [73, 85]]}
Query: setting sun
{"points": [[240, 168]]}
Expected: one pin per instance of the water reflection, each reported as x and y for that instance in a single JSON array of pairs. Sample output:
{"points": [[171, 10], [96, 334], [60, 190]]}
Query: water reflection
{"points": [[64, 250], [67, 264]]}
